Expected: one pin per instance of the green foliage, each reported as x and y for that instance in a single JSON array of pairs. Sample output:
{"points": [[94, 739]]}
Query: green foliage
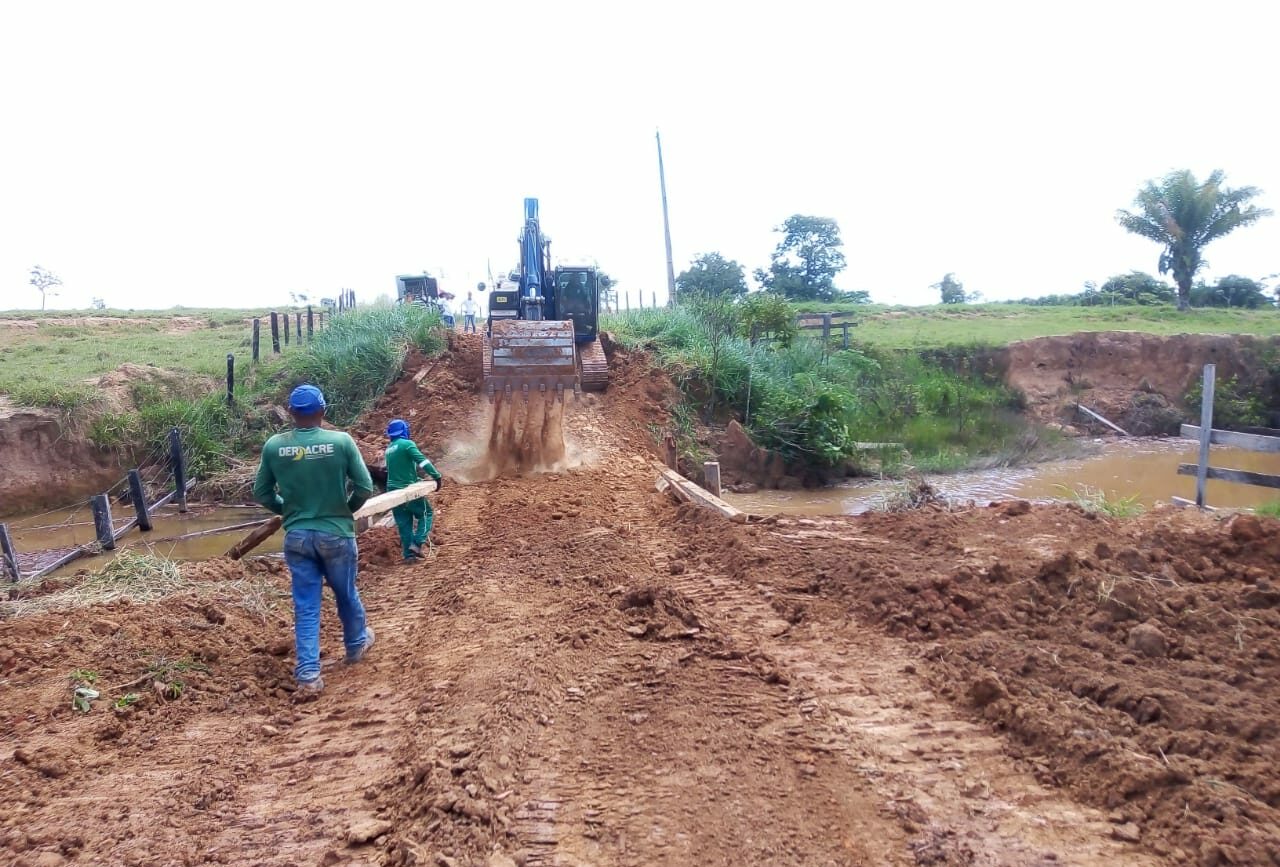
{"points": [[814, 406], [1268, 510], [83, 677], [127, 700], [1185, 216], [1135, 287], [767, 313], [711, 275], [1240, 402], [1231, 291], [1098, 501], [361, 353], [806, 261], [952, 290]]}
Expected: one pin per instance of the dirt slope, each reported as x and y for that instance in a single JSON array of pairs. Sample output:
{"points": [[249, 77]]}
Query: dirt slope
{"points": [[585, 674]]}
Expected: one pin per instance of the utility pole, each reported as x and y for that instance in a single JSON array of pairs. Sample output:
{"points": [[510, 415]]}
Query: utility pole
{"points": [[666, 226]]}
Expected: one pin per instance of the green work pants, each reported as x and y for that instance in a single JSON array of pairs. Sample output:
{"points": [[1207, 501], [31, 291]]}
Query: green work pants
{"points": [[406, 515]]}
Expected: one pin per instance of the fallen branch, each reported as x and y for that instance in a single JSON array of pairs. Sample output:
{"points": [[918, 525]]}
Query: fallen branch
{"points": [[254, 539]]}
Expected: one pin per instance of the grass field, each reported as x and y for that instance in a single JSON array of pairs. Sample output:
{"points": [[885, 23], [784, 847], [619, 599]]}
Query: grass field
{"points": [[51, 359], [999, 324]]}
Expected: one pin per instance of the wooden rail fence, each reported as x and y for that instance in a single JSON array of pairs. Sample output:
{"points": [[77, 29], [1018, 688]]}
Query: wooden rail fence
{"points": [[1207, 436]]}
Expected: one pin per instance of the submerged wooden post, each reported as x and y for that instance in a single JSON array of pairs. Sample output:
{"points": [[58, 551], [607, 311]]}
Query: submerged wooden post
{"points": [[257, 329], [102, 521], [179, 468], [139, 498], [711, 469], [10, 555], [231, 379], [311, 324], [1206, 432]]}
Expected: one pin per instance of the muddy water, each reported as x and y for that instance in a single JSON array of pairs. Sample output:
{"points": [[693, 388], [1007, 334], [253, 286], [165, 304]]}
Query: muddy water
{"points": [[71, 527], [1146, 469]]}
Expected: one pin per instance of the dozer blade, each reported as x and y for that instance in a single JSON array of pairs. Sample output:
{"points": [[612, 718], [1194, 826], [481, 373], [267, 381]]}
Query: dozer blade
{"points": [[524, 355]]}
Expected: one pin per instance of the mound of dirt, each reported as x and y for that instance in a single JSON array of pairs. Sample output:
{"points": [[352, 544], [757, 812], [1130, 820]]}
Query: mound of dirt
{"points": [[1135, 663], [129, 385], [1106, 370]]}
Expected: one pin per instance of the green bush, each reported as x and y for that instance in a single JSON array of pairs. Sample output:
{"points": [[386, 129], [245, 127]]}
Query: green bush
{"points": [[362, 352], [814, 404]]}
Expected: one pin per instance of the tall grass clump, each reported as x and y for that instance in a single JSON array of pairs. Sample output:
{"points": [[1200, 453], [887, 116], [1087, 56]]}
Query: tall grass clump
{"points": [[1268, 510], [361, 353], [817, 405]]}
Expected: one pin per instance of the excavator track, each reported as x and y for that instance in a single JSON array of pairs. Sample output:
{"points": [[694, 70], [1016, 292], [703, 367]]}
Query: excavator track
{"points": [[593, 366]]}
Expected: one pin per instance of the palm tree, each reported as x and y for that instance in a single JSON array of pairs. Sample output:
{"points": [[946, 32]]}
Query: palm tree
{"points": [[1185, 216]]}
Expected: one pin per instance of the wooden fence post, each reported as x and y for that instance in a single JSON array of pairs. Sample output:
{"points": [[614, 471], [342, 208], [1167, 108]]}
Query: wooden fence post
{"points": [[669, 447], [311, 323], [844, 327], [179, 465], [275, 332], [627, 297], [231, 379], [297, 321], [139, 498], [826, 328], [9, 554], [711, 470], [102, 525], [287, 329], [1206, 432], [654, 299], [257, 329]]}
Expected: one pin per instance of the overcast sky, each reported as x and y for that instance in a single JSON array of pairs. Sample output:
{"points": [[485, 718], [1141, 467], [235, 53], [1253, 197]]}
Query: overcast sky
{"points": [[225, 154]]}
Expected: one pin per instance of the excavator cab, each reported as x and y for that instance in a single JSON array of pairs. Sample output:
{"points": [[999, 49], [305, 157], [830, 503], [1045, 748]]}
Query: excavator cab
{"points": [[576, 298]]}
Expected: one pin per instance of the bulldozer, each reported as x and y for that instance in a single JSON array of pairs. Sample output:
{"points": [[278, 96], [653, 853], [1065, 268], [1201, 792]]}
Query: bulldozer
{"points": [[543, 333]]}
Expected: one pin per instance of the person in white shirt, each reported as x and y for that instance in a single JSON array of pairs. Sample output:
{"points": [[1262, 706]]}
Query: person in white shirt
{"points": [[469, 308]]}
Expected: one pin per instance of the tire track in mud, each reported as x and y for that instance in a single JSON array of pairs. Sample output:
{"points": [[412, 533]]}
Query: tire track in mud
{"points": [[949, 782]]}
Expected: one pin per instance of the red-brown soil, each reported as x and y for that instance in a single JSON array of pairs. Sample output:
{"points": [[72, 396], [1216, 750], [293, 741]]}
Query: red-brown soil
{"points": [[583, 673]]}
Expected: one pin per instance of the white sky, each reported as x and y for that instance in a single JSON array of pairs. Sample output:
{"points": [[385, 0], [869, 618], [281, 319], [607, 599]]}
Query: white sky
{"points": [[224, 154]]}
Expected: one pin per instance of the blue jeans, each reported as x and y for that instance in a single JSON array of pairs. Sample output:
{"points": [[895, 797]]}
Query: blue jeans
{"points": [[315, 557], [469, 323]]}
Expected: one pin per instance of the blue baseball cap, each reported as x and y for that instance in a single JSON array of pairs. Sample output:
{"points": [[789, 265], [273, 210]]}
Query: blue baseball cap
{"points": [[398, 428], [306, 400]]}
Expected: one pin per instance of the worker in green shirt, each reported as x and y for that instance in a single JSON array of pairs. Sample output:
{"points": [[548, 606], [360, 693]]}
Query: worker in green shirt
{"points": [[404, 463], [304, 476]]}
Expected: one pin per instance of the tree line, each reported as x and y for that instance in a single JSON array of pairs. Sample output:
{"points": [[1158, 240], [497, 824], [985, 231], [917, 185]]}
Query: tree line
{"points": [[1177, 211]]}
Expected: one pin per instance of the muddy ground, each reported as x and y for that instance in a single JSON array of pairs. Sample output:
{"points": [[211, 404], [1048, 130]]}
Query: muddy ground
{"points": [[585, 673]]}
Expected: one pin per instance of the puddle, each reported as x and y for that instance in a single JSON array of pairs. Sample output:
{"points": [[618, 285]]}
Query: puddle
{"points": [[67, 528], [1145, 468]]}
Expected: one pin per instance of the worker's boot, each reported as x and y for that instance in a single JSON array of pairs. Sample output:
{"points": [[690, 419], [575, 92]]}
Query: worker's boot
{"points": [[354, 656]]}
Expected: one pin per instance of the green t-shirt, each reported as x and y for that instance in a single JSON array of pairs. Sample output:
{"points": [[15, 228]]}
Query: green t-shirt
{"points": [[404, 459], [303, 476]]}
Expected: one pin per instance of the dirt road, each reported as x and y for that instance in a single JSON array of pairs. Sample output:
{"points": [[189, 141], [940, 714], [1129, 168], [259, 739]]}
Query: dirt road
{"points": [[584, 673]]}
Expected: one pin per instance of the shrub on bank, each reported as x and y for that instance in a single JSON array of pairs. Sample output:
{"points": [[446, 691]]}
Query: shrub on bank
{"points": [[815, 406]]}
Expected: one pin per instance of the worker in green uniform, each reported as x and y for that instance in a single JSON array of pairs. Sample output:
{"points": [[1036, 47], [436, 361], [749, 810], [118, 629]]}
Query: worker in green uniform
{"points": [[304, 476], [405, 461]]}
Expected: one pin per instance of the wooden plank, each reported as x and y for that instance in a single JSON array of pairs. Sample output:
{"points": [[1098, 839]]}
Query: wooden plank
{"points": [[711, 469], [254, 539], [1249, 442], [388, 501], [1098, 417], [1185, 503], [699, 496], [1243, 477]]}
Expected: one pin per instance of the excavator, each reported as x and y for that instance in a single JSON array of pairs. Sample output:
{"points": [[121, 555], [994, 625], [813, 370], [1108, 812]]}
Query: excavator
{"points": [[543, 333]]}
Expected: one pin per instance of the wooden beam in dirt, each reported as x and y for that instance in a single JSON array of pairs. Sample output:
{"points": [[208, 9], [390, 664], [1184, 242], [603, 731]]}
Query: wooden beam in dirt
{"points": [[1250, 442], [699, 496], [254, 539], [1184, 503], [1097, 417], [1243, 477]]}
